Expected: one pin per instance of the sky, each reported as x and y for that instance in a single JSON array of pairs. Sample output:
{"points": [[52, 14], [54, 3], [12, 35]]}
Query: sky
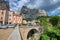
{"points": [[51, 6]]}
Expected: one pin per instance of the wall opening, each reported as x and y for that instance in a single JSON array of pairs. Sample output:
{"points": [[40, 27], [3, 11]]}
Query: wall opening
{"points": [[31, 34], [1, 22]]}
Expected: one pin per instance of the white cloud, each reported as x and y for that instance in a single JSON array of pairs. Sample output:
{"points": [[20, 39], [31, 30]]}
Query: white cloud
{"points": [[36, 5], [25, 1], [15, 4], [12, 0], [43, 3], [55, 12], [54, 1]]}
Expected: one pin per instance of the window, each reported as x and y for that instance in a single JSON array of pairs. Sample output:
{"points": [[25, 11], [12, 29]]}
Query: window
{"points": [[10, 23], [1, 17], [2, 12]]}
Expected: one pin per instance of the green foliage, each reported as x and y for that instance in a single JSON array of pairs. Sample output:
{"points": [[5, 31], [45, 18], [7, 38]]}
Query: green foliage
{"points": [[51, 28], [44, 37], [32, 38], [54, 20], [43, 21], [54, 39], [29, 19]]}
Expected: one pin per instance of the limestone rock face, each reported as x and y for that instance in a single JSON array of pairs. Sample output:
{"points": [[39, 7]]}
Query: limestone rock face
{"points": [[4, 5], [32, 13]]}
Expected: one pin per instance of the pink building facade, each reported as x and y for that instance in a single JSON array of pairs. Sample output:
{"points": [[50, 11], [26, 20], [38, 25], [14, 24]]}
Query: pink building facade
{"points": [[14, 18]]}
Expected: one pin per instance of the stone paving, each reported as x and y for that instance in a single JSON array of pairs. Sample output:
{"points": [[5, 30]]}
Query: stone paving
{"points": [[5, 33], [15, 35]]}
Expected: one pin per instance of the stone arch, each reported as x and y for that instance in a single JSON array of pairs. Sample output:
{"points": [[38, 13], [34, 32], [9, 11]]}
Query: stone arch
{"points": [[31, 33]]}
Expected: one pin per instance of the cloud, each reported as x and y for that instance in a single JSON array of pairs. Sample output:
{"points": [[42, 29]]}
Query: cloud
{"points": [[54, 1], [55, 12], [17, 4], [35, 4], [48, 5], [42, 3]]}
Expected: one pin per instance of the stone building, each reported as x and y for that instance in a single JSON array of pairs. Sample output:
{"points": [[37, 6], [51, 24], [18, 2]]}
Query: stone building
{"points": [[3, 16], [10, 17], [4, 11], [14, 18]]}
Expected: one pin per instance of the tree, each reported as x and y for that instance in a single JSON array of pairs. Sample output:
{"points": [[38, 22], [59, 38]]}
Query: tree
{"points": [[53, 29], [54, 20]]}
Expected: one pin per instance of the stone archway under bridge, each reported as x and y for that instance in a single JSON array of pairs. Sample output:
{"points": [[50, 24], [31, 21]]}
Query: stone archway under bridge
{"points": [[27, 32]]}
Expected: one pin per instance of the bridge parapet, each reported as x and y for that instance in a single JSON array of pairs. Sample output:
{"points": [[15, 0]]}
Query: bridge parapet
{"points": [[28, 26]]}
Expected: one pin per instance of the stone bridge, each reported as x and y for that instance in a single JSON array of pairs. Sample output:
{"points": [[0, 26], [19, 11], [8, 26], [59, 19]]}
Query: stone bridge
{"points": [[27, 31], [20, 33]]}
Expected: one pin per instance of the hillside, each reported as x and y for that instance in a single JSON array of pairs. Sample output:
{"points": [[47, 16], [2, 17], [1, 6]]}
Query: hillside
{"points": [[32, 13], [51, 28]]}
